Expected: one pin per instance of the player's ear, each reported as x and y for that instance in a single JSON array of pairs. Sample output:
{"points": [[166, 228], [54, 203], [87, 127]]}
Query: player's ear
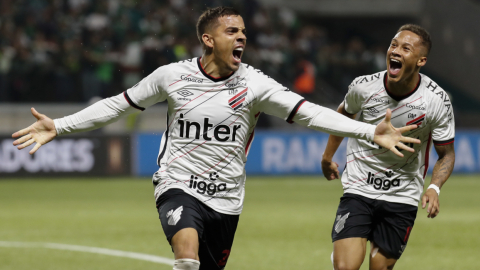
{"points": [[208, 40], [422, 61]]}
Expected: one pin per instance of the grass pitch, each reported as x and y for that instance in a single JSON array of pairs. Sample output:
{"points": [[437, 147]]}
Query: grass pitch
{"points": [[286, 224]]}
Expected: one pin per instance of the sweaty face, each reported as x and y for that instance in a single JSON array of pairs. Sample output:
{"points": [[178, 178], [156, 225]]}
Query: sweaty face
{"points": [[404, 56], [229, 41]]}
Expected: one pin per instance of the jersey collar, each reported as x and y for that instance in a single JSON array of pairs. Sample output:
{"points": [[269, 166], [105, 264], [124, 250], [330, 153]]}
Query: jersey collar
{"points": [[398, 98], [215, 79]]}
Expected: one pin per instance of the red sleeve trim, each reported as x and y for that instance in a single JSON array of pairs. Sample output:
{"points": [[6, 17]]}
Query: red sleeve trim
{"points": [[131, 102], [294, 111], [443, 142]]}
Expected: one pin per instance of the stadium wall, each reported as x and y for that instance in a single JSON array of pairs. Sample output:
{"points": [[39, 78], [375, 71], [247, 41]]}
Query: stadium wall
{"points": [[86, 155], [281, 152], [272, 153]]}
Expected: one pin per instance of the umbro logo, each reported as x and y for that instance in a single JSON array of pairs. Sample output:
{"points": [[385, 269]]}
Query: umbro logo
{"points": [[174, 216], [341, 222], [373, 110], [185, 93]]}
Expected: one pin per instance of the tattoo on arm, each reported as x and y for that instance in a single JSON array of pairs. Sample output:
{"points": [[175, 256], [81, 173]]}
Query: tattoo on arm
{"points": [[444, 165]]}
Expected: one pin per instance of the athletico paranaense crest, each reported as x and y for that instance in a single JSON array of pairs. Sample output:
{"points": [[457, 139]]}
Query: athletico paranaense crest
{"points": [[417, 121], [236, 102], [174, 215]]}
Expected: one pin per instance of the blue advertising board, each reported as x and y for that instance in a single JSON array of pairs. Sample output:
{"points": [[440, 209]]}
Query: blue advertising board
{"points": [[289, 153], [279, 153], [146, 152]]}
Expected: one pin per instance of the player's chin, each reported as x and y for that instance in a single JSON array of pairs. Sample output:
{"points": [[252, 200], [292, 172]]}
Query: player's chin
{"points": [[394, 77], [236, 60], [235, 65]]}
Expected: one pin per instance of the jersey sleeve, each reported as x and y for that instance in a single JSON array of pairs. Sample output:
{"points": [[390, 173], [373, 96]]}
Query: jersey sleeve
{"points": [[150, 90], [443, 121], [144, 94], [276, 99], [353, 99], [327, 120]]}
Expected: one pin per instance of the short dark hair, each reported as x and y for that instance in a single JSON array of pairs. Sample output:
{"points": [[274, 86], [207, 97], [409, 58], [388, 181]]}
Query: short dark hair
{"points": [[421, 32], [209, 19]]}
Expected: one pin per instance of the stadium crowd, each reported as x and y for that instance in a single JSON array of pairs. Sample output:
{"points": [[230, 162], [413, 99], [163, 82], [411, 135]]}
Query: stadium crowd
{"points": [[74, 50]]}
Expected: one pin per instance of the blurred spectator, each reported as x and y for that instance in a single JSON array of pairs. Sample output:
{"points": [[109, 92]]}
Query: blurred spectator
{"points": [[305, 81], [76, 50]]}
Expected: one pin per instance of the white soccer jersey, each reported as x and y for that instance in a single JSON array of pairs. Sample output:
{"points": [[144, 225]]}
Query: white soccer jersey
{"points": [[210, 126], [377, 173]]}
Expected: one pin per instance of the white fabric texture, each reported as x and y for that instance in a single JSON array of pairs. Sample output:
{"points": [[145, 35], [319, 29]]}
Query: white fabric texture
{"points": [[100, 114], [330, 121]]}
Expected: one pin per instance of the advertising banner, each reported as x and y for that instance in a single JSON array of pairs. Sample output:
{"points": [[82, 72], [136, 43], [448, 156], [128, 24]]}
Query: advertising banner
{"points": [[301, 153], [280, 153], [146, 153], [90, 155]]}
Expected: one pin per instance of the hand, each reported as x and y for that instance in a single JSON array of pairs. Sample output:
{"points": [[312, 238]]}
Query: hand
{"points": [[431, 197], [41, 132], [330, 169], [387, 136]]}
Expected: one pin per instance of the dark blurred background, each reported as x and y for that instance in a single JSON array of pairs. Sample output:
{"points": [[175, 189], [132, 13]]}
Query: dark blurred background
{"points": [[76, 51]]}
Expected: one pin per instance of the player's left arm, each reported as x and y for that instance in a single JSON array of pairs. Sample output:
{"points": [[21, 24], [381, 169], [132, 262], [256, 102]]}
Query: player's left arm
{"points": [[441, 171]]}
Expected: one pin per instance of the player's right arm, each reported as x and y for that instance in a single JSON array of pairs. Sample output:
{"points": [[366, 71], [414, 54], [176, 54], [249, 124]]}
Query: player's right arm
{"points": [[329, 167], [146, 93], [41, 132]]}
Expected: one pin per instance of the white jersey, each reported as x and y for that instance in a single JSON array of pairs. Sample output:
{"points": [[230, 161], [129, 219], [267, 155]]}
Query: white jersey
{"points": [[210, 126], [377, 173]]}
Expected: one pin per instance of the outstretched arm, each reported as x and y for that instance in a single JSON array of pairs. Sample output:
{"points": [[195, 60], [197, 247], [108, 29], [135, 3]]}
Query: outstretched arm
{"points": [[331, 122], [441, 171], [329, 167], [95, 116], [40, 132]]}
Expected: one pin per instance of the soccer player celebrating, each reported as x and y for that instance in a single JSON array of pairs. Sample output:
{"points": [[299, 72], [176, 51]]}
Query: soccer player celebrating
{"points": [[381, 190], [213, 105]]}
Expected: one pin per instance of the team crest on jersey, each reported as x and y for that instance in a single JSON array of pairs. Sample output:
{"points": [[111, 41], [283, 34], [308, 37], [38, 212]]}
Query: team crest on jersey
{"points": [[417, 121], [236, 102]]}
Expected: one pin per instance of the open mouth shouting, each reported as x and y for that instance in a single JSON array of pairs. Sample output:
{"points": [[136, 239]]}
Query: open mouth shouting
{"points": [[395, 67], [237, 54]]}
